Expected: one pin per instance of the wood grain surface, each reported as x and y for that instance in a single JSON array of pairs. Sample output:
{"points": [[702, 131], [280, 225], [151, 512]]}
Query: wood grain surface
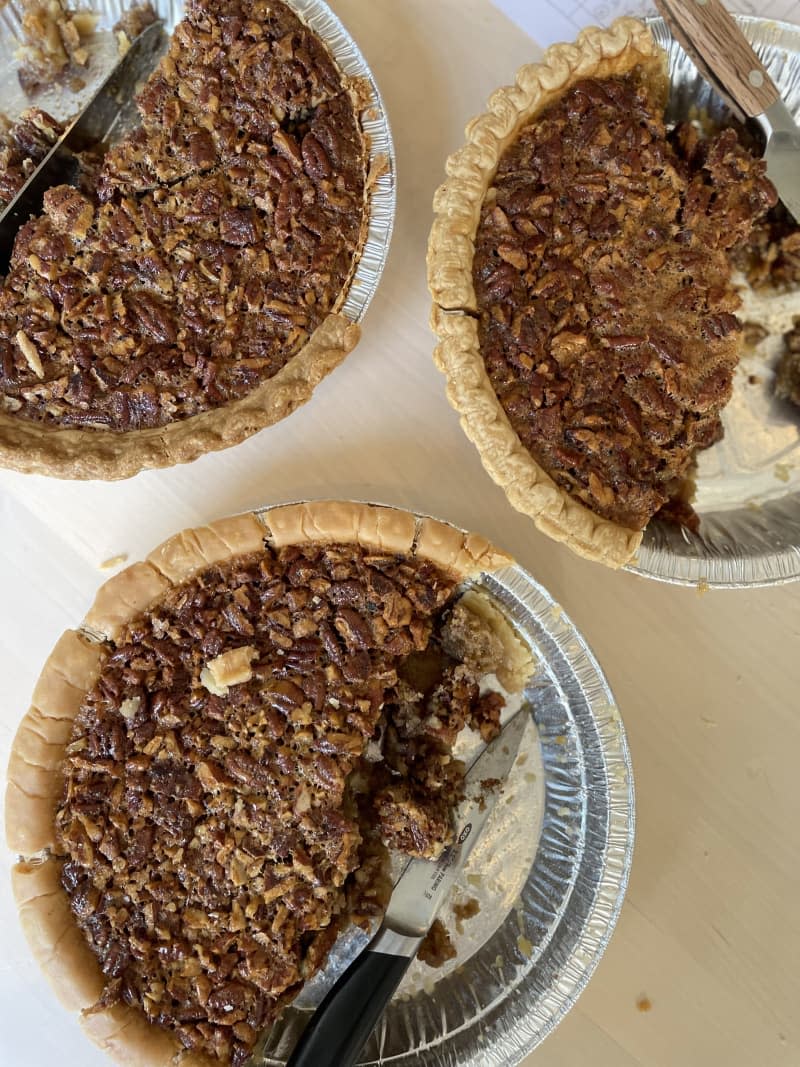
{"points": [[711, 37], [709, 938]]}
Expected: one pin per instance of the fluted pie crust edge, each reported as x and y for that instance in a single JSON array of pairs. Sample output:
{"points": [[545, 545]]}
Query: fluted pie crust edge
{"points": [[36, 448], [457, 207]]}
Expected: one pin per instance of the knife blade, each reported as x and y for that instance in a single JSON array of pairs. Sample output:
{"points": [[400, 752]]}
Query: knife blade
{"points": [[109, 112], [723, 55], [344, 1020]]}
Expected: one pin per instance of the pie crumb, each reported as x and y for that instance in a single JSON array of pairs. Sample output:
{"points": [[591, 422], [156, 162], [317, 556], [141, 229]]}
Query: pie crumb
{"points": [[644, 1004], [30, 352], [114, 561], [230, 668], [462, 912], [525, 946], [129, 707], [782, 472], [436, 947]]}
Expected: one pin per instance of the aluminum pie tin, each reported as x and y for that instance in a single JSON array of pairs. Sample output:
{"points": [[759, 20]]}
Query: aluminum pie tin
{"points": [[748, 485], [62, 104], [549, 872]]}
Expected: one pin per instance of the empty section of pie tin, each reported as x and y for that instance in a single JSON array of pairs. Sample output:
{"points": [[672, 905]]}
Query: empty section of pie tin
{"points": [[63, 103], [748, 484], [549, 874]]}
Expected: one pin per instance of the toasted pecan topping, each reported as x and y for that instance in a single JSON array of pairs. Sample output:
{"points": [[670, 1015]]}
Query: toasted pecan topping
{"points": [[23, 145], [602, 274], [207, 246], [216, 837]]}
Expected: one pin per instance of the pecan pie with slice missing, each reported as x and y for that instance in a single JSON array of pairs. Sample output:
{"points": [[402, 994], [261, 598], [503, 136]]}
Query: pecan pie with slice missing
{"points": [[205, 788], [189, 292], [580, 264]]}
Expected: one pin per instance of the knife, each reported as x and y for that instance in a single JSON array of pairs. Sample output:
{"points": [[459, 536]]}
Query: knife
{"points": [[723, 55], [346, 1017], [110, 112]]}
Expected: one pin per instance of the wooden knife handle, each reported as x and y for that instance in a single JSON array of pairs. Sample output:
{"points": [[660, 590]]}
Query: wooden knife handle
{"points": [[709, 34]]}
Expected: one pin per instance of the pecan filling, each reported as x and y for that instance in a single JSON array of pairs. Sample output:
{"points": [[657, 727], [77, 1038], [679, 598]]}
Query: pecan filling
{"points": [[23, 146], [602, 272], [251, 746], [204, 250]]}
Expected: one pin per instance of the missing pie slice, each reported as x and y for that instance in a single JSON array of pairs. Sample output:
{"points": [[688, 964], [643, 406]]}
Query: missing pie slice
{"points": [[215, 763], [189, 292], [580, 265]]}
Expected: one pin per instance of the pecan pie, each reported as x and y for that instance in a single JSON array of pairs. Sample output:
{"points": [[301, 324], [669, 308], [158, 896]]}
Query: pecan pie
{"points": [[214, 766], [187, 293], [581, 267]]}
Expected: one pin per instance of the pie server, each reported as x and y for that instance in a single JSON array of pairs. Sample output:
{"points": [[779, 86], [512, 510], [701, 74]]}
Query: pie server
{"points": [[724, 57], [346, 1017], [110, 112]]}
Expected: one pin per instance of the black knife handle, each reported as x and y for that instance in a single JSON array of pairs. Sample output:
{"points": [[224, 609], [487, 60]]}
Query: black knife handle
{"points": [[347, 1016]]}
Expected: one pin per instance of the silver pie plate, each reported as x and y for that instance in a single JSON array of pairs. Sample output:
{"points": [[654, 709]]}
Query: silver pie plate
{"points": [[63, 104], [549, 873], [748, 488]]}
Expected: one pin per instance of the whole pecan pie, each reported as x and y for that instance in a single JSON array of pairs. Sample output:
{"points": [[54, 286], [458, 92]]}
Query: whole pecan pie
{"points": [[580, 263], [214, 766], [187, 293]]}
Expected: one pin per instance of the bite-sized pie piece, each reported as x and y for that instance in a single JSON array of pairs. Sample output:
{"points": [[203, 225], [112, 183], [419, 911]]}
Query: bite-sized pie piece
{"points": [[188, 293], [580, 267], [214, 766], [771, 257]]}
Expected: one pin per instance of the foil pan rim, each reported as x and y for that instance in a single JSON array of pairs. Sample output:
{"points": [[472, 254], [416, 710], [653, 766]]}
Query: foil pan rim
{"points": [[375, 126], [585, 851], [725, 560]]}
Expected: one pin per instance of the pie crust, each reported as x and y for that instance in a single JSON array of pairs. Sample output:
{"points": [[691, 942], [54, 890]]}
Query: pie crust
{"points": [[457, 207], [32, 446], [34, 776]]}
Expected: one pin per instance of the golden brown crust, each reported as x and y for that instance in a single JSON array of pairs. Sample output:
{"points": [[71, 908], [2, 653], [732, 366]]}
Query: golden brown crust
{"points": [[70, 669], [327, 521], [462, 554], [47, 920], [53, 935], [34, 785], [125, 1035], [31, 447], [457, 207], [34, 780], [123, 597], [73, 972], [386, 529], [180, 557]]}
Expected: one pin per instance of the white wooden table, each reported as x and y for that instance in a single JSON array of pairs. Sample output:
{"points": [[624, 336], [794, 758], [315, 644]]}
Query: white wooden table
{"points": [[708, 684]]}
